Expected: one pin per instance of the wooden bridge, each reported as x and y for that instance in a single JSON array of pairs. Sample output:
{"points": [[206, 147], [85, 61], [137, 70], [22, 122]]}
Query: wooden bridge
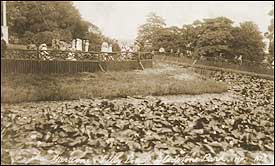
{"points": [[28, 61]]}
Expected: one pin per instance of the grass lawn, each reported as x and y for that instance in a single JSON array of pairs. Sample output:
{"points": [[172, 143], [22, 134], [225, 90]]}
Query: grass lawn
{"points": [[163, 79]]}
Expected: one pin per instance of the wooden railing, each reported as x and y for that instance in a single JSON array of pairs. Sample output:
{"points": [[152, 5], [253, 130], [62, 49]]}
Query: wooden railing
{"points": [[77, 55], [249, 66], [33, 61], [64, 66]]}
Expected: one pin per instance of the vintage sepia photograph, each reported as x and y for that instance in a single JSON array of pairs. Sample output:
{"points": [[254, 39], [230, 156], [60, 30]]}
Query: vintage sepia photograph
{"points": [[137, 82]]}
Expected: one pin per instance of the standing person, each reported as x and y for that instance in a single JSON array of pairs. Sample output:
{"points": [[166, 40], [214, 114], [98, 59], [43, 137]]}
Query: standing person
{"points": [[3, 46], [178, 52], [196, 56], [136, 49], [240, 60], [123, 53], [86, 47], [74, 44], [131, 52]]}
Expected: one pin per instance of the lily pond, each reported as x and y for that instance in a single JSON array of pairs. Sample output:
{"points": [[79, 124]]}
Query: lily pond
{"points": [[236, 127]]}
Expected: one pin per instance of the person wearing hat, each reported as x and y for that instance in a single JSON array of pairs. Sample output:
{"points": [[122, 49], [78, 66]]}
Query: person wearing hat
{"points": [[43, 52], [71, 57], [162, 50]]}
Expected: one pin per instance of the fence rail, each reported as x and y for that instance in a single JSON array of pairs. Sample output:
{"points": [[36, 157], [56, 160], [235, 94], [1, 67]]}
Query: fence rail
{"points": [[73, 55], [63, 66], [217, 59], [248, 66], [56, 61]]}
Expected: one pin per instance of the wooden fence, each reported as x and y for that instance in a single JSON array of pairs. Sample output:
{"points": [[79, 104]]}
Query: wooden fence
{"points": [[260, 68], [77, 55], [31, 61], [37, 66]]}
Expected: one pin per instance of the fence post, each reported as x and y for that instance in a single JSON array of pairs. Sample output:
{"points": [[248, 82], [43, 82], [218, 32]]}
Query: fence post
{"points": [[100, 67]]}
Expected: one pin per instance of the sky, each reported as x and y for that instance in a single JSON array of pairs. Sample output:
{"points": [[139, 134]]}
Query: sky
{"points": [[120, 19]]}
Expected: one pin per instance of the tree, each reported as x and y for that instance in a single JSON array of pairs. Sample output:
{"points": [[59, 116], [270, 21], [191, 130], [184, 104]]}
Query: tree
{"points": [[270, 34], [248, 42], [148, 32], [36, 17], [190, 35], [168, 38], [41, 21], [211, 37], [115, 46], [214, 37], [96, 40]]}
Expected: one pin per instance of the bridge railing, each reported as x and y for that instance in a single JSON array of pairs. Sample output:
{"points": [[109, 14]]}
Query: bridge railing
{"points": [[216, 60], [245, 65], [73, 55], [56, 61]]}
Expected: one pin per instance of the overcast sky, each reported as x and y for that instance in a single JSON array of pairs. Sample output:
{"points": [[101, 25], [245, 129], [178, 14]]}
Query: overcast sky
{"points": [[120, 19]]}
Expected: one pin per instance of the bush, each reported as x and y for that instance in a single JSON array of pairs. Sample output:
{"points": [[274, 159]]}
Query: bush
{"points": [[45, 37]]}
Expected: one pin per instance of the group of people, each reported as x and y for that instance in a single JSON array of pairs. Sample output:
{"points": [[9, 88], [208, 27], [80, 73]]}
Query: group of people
{"points": [[126, 53], [45, 55]]}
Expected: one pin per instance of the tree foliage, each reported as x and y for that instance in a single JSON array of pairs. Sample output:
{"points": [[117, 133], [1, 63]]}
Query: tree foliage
{"points": [[44, 19], [210, 37], [41, 21], [148, 32], [248, 41], [270, 35], [215, 36]]}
